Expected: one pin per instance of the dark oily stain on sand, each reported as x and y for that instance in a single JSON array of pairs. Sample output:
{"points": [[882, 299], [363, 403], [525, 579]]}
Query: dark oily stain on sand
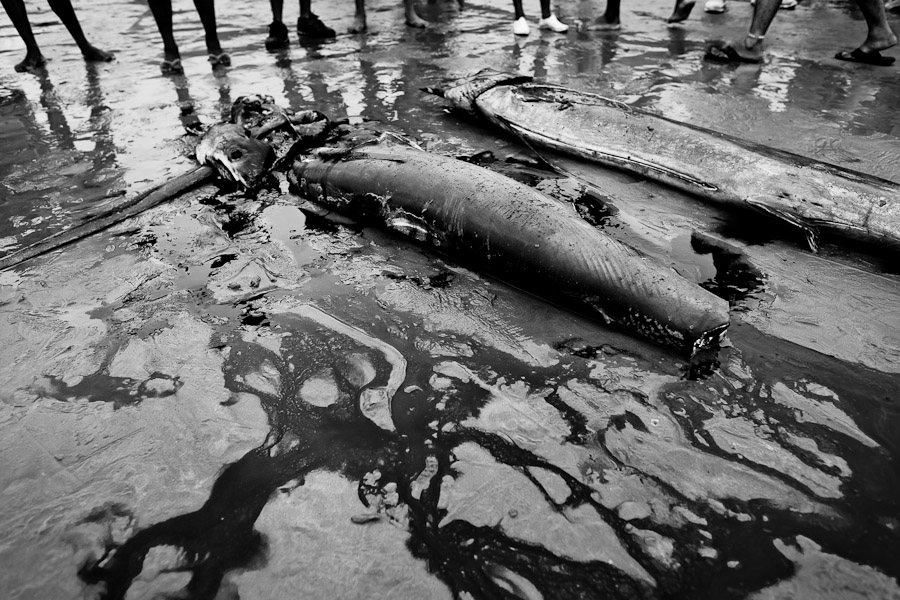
{"points": [[866, 525], [331, 433], [220, 535], [873, 397], [120, 391]]}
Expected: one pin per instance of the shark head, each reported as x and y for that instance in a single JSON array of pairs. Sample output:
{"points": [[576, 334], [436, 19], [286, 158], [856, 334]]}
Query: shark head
{"points": [[235, 155]]}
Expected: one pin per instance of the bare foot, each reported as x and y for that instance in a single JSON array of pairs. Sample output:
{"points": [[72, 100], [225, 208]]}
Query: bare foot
{"points": [[745, 51], [681, 11], [359, 25], [414, 20], [33, 60], [869, 52], [879, 39], [94, 54]]}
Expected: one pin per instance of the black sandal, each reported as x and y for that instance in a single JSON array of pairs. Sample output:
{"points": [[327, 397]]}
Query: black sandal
{"points": [[171, 67], [859, 55], [726, 53]]}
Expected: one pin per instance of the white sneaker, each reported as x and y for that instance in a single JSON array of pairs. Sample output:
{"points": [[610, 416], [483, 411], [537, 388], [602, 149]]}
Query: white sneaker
{"points": [[715, 6], [520, 26], [553, 24]]}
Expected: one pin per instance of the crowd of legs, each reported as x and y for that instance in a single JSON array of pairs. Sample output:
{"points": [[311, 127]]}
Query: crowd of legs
{"points": [[748, 48]]}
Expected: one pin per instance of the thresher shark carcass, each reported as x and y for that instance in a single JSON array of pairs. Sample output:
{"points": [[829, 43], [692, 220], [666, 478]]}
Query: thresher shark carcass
{"points": [[508, 229]]}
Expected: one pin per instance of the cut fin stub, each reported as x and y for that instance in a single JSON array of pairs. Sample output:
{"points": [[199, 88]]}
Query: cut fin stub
{"points": [[386, 140], [704, 358], [391, 138], [809, 230]]}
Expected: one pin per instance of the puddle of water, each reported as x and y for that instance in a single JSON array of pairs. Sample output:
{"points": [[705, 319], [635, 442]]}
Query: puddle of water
{"points": [[288, 224], [175, 237], [692, 264]]}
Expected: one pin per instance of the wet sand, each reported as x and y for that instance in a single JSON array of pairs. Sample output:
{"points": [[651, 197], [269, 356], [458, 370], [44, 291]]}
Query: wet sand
{"points": [[231, 397]]}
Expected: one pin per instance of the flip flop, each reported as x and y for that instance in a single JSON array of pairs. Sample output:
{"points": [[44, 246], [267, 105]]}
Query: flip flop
{"points": [[220, 60], [171, 67], [725, 53], [870, 58]]}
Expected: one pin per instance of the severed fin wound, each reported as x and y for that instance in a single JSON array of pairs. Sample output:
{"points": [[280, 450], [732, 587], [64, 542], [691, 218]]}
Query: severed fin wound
{"points": [[395, 139], [810, 231], [383, 143], [511, 127], [597, 193], [376, 148]]}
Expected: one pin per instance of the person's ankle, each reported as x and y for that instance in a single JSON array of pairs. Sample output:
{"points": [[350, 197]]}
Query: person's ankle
{"points": [[752, 40]]}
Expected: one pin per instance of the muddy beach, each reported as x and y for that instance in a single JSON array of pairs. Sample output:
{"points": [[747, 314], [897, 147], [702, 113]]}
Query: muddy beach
{"points": [[234, 396]]}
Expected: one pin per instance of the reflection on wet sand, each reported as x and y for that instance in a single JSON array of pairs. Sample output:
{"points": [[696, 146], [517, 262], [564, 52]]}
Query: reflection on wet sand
{"points": [[82, 161], [540, 59]]}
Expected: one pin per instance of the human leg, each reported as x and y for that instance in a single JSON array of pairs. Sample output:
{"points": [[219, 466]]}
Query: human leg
{"points": [[612, 14], [681, 11], [278, 32], [518, 10], [748, 48], [19, 17], [545, 9], [879, 37], [207, 11], [610, 19], [309, 25], [413, 19], [66, 14], [359, 18], [162, 14]]}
